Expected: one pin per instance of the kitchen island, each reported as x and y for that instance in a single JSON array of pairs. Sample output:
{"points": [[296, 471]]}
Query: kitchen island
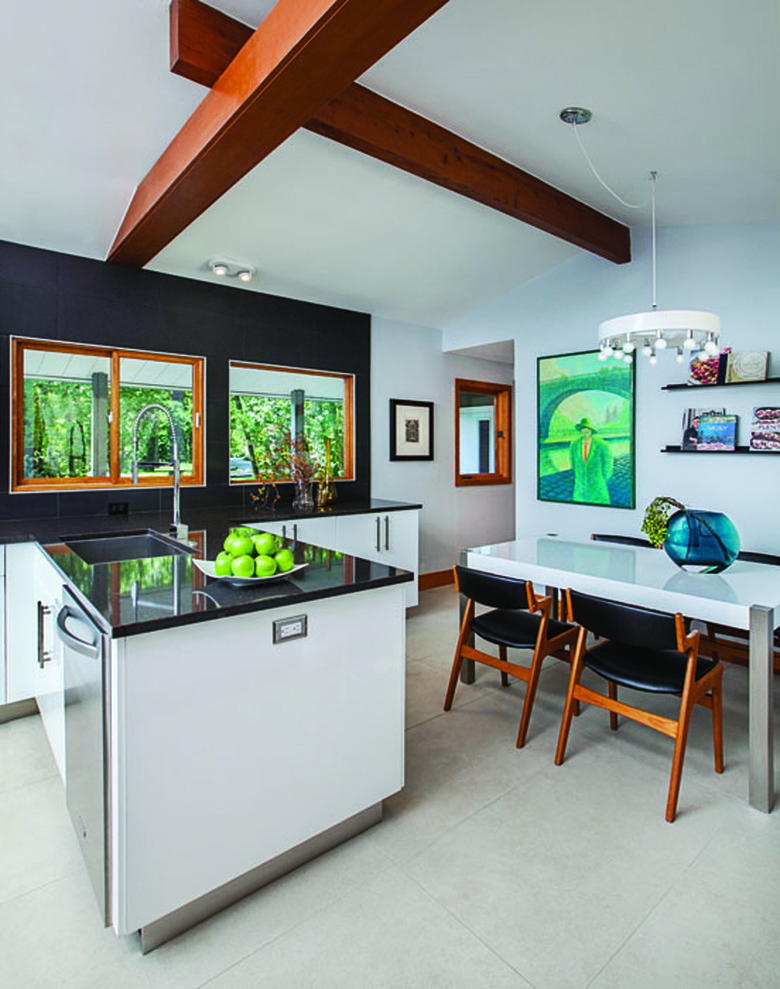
{"points": [[231, 753]]}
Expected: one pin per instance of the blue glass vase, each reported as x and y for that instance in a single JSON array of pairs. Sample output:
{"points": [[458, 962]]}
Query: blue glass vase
{"points": [[701, 542]]}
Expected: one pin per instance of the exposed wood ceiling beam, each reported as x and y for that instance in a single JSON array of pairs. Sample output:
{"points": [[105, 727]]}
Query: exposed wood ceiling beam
{"points": [[204, 41], [303, 54]]}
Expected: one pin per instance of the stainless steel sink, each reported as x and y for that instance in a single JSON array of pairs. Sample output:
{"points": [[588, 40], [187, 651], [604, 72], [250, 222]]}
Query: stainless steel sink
{"points": [[129, 546]]}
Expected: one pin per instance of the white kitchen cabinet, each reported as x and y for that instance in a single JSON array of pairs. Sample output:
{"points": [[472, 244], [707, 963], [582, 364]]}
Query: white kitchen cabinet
{"points": [[385, 537], [21, 621], [228, 750], [49, 674], [2, 625]]}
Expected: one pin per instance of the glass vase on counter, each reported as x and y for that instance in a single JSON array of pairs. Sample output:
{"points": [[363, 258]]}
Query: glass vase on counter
{"points": [[326, 491]]}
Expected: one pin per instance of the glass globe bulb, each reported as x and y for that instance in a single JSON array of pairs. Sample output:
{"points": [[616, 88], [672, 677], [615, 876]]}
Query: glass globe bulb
{"points": [[607, 351], [659, 343], [653, 359], [617, 354], [629, 346], [712, 348], [647, 350], [629, 358], [602, 355], [689, 343], [679, 356]]}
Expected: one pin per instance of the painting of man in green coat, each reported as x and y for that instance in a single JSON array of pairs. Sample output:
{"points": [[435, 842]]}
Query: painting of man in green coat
{"points": [[591, 462], [585, 430]]}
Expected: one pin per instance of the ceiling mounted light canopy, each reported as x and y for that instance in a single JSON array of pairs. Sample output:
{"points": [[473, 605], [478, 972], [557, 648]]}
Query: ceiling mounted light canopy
{"points": [[656, 330], [224, 268]]}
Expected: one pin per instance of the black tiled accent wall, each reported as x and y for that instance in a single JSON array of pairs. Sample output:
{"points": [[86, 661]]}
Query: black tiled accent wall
{"points": [[61, 297]]}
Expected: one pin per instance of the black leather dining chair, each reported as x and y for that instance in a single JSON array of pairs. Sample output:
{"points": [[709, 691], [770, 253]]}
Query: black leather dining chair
{"points": [[518, 619], [608, 537], [731, 644], [650, 652]]}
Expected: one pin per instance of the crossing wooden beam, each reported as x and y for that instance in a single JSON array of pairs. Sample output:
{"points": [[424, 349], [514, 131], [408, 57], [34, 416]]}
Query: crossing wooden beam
{"points": [[303, 54]]}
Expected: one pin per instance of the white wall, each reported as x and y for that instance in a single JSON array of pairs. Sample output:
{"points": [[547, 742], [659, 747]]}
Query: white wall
{"points": [[407, 362], [732, 271]]}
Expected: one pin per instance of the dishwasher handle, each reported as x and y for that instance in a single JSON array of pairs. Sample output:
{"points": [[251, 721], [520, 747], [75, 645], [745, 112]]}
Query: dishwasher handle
{"points": [[91, 649]]}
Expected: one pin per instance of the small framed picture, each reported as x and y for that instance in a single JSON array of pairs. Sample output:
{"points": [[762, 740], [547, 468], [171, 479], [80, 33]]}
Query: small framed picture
{"points": [[411, 430]]}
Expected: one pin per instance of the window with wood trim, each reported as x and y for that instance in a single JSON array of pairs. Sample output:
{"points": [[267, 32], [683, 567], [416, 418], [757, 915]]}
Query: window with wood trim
{"points": [[273, 407], [74, 408], [483, 433]]}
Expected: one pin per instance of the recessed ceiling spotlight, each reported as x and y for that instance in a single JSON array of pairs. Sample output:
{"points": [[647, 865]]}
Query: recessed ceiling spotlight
{"points": [[245, 275], [219, 268]]}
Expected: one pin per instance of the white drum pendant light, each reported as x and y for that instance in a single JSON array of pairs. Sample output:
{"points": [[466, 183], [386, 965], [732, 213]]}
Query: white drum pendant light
{"points": [[651, 332]]}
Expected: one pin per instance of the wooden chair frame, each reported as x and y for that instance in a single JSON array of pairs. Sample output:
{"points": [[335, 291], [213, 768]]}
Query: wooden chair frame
{"points": [[530, 674], [707, 691]]}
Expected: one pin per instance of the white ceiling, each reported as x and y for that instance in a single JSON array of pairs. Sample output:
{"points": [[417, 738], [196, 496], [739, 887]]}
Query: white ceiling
{"points": [[682, 86]]}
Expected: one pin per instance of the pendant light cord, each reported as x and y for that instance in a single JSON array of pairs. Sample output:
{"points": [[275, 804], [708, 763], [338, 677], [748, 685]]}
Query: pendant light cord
{"points": [[611, 191], [652, 210]]}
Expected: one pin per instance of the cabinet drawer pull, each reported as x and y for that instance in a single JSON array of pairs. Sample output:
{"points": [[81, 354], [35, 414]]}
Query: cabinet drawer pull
{"points": [[387, 532], [378, 534], [43, 656]]}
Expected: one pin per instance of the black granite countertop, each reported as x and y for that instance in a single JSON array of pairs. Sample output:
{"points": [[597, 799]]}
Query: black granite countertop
{"points": [[138, 596]]}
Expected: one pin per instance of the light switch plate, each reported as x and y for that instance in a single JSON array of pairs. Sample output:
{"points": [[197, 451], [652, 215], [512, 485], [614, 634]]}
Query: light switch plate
{"points": [[290, 628]]}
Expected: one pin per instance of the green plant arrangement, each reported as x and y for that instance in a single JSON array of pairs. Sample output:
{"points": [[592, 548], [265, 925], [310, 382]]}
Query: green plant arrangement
{"points": [[656, 519]]}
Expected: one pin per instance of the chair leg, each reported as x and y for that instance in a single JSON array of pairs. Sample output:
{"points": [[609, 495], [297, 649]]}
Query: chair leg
{"points": [[530, 694], [717, 724], [613, 718], [504, 674], [457, 661], [568, 711], [679, 757]]}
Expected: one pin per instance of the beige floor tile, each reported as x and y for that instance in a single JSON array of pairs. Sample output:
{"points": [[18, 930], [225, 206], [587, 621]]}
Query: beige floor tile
{"points": [[713, 928], [25, 756], [386, 935], [53, 937], [556, 875], [37, 842]]}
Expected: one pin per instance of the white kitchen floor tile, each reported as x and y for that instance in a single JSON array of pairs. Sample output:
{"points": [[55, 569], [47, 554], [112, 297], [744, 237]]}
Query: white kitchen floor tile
{"points": [[387, 935]]}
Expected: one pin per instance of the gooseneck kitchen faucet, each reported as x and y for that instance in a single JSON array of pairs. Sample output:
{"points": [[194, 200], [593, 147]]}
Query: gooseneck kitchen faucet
{"points": [[173, 462]]}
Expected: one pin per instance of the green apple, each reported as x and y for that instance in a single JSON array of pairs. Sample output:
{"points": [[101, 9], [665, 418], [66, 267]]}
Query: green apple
{"points": [[242, 546], [284, 560], [265, 566], [244, 530], [243, 566], [223, 565], [265, 544], [228, 543], [279, 542]]}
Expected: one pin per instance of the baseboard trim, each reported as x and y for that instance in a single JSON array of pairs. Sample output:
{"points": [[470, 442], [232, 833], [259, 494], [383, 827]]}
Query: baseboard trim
{"points": [[17, 709], [436, 578]]}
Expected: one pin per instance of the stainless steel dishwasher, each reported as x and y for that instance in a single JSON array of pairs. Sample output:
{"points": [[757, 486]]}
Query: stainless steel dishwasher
{"points": [[85, 664]]}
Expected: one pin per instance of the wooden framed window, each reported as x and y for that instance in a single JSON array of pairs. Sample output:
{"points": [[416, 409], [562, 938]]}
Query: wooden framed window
{"points": [[74, 408], [270, 405], [483, 433]]}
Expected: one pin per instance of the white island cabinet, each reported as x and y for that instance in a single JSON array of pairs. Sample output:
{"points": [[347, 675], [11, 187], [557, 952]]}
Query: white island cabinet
{"points": [[234, 758]]}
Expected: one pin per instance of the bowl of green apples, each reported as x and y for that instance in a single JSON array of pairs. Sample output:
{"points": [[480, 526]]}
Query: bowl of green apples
{"points": [[251, 556]]}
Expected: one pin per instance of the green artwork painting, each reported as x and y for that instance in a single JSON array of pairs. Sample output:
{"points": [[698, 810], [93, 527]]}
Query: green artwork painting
{"points": [[585, 430]]}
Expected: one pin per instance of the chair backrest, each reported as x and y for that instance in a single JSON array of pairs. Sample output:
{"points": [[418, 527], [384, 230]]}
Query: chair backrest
{"points": [[491, 589], [607, 537], [624, 623], [750, 557]]}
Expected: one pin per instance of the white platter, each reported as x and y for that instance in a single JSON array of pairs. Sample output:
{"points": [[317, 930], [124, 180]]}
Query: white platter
{"points": [[207, 567]]}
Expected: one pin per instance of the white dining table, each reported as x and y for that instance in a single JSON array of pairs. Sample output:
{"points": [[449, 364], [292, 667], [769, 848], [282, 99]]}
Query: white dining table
{"points": [[746, 596]]}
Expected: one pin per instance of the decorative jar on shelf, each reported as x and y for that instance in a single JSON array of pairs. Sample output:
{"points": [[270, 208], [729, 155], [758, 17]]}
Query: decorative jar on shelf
{"points": [[700, 541]]}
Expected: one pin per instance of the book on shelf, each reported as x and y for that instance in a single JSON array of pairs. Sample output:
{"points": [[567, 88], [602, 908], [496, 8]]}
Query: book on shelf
{"points": [[690, 425], [717, 432], [746, 365], [765, 429]]}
